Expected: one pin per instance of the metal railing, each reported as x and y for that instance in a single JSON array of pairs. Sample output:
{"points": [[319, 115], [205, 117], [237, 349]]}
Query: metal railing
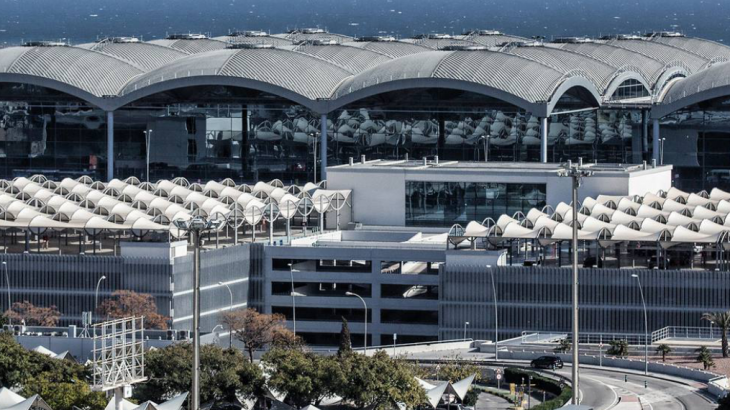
{"points": [[686, 332]]}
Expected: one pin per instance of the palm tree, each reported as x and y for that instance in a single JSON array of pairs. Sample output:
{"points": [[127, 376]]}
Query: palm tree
{"points": [[618, 348], [664, 350], [722, 321], [563, 346], [705, 357]]}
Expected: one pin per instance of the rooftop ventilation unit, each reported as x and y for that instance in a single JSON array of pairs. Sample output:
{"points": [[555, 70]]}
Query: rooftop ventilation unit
{"points": [[189, 36], [572, 40], [437, 36], [665, 34], [313, 31], [377, 39], [460, 47], [483, 33], [45, 44], [629, 37], [124, 40], [321, 42], [250, 46], [248, 33]]}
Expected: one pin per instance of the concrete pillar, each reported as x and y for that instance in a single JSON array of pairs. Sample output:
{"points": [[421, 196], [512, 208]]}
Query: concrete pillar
{"points": [[638, 141], [655, 142], [109, 145], [544, 140], [323, 149]]}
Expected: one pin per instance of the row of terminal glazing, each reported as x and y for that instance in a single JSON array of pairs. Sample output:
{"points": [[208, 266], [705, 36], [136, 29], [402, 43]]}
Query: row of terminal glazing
{"points": [[251, 106]]}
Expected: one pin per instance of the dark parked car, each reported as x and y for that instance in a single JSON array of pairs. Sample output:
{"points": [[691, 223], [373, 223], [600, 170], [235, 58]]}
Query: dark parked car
{"points": [[547, 362]]}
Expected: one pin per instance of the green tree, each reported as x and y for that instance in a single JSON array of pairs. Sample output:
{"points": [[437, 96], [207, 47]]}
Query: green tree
{"points": [[563, 346], [18, 365], [664, 350], [64, 394], [704, 356], [456, 369], [345, 341], [379, 382], [722, 321], [305, 377], [618, 348], [223, 373], [257, 330]]}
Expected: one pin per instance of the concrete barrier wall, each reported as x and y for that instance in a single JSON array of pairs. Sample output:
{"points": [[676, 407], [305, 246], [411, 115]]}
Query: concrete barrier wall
{"points": [[717, 384], [421, 347]]}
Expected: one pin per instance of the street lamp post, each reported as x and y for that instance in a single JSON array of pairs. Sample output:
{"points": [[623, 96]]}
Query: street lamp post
{"points": [[646, 325], [96, 294], [314, 141], [365, 305], [196, 226], [496, 316], [7, 282], [485, 138], [661, 151], [147, 138], [465, 325], [576, 173], [293, 297], [230, 309]]}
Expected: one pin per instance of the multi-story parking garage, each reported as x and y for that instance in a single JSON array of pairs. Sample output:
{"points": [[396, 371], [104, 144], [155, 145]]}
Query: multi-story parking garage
{"points": [[253, 106]]}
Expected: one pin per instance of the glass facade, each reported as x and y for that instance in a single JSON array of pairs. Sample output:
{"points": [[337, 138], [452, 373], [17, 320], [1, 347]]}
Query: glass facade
{"points": [[696, 144], [43, 131], [446, 203], [216, 132]]}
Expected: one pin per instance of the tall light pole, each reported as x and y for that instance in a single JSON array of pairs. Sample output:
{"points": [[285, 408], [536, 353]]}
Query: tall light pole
{"points": [[365, 305], [314, 141], [661, 150], [7, 282], [147, 138], [485, 138], [96, 294], [195, 226], [465, 325], [230, 309], [496, 316], [576, 173], [646, 326]]}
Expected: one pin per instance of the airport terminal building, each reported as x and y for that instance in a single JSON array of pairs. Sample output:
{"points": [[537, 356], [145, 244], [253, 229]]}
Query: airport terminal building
{"points": [[256, 106], [419, 174]]}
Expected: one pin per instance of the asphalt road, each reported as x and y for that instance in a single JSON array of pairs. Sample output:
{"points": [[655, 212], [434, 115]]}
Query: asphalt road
{"points": [[601, 389]]}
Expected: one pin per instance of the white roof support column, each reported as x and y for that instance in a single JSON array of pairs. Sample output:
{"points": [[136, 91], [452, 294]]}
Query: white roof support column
{"points": [[323, 148], [109, 145], [544, 139], [655, 142]]}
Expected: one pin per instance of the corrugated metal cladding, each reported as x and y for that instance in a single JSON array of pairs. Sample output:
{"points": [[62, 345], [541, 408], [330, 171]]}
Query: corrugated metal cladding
{"points": [[229, 265], [537, 299], [69, 282], [109, 70], [257, 279]]}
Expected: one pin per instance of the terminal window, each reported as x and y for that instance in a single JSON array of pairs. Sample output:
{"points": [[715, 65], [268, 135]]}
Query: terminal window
{"points": [[447, 203]]}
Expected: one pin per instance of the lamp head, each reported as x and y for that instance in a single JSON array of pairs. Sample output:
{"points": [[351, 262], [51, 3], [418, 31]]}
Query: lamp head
{"points": [[350, 294], [635, 276], [466, 323], [5, 263], [103, 277], [220, 283]]}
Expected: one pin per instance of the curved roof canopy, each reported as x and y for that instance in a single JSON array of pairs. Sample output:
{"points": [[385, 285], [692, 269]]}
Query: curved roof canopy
{"points": [[324, 71]]}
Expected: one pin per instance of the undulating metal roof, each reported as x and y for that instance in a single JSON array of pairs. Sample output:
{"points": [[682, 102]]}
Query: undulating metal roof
{"points": [[192, 46], [393, 49], [146, 56], [319, 68], [351, 59], [298, 73], [89, 71], [525, 79]]}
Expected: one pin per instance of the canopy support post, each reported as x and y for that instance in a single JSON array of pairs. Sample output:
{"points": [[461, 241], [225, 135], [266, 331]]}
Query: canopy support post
{"points": [[655, 142], [109, 145], [543, 140], [323, 148]]}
